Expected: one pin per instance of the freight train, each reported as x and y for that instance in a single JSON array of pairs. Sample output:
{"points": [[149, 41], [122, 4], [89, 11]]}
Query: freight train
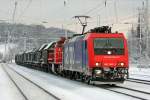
{"points": [[97, 56]]}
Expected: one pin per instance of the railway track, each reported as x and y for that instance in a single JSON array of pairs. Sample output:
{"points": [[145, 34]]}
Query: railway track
{"points": [[19, 88], [137, 94], [139, 81]]}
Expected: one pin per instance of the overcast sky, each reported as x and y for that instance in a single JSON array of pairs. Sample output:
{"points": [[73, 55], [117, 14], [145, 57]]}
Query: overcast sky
{"points": [[57, 13]]}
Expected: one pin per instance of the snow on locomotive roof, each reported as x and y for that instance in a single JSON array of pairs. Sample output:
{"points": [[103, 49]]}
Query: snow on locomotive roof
{"points": [[49, 45], [29, 51], [34, 49], [75, 38], [43, 46]]}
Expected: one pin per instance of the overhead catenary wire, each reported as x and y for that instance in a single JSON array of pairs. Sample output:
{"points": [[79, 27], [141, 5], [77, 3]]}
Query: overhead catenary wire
{"points": [[99, 10], [14, 12], [115, 9], [25, 9], [105, 5], [10, 33], [94, 8], [111, 19]]}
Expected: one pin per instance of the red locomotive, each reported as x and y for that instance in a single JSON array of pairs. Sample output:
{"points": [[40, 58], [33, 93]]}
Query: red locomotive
{"points": [[96, 56]]}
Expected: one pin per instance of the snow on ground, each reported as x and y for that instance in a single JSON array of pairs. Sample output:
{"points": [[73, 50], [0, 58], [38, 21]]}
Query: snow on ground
{"points": [[64, 88], [139, 72], [67, 89], [28, 88], [8, 91], [2, 46]]}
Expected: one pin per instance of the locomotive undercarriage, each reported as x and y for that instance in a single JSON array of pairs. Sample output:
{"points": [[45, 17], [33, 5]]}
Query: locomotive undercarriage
{"points": [[53, 68], [107, 75], [98, 75]]}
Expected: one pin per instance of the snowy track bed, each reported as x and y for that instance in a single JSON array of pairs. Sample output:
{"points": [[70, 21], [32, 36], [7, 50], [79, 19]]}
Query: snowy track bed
{"points": [[129, 92], [28, 89], [139, 81], [134, 89], [15, 84], [139, 73], [8, 90], [67, 89]]}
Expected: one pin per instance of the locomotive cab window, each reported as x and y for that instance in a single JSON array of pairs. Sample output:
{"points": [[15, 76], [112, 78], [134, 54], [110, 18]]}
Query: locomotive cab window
{"points": [[108, 46]]}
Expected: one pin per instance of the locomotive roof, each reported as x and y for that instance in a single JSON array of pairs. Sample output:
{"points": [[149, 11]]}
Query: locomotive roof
{"points": [[49, 45], [42, 47], [30, 51], [103, 35], [34, 50], [76, 38], [94, 35]]}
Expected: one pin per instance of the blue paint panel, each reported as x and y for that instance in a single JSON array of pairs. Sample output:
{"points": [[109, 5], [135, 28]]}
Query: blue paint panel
{"points": [[73, 54], [78, 54]]}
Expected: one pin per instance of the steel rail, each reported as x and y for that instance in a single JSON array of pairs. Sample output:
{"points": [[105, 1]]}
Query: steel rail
{"points": [[35, 84], [109, 88], [139, 81], [25, 97]]}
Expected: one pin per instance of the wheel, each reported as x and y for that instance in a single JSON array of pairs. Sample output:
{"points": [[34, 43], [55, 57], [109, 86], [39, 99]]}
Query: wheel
{"points": [[83, 78], [88, 80], [112, 85]]}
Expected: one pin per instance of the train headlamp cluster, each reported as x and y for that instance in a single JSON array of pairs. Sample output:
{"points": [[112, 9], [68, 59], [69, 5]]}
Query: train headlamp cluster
{"points": [[107, 69], [98, 71], [109, 52], [97, 64], [121, 64]]}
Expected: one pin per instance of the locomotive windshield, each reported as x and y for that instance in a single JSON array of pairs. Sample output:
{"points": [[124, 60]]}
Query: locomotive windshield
{"points": [[111, 45]]}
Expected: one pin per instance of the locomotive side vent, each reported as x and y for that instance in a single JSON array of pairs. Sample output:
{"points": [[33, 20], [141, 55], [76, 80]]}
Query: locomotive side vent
{"points": [[102, 29]]}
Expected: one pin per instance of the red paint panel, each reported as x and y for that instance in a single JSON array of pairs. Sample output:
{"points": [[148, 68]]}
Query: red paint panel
{"points": [[50, 57], [105, 60], [58, 55]]}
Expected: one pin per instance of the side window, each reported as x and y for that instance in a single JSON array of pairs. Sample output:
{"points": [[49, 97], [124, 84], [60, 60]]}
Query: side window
{"points": [[71, 54], [66, 55]]}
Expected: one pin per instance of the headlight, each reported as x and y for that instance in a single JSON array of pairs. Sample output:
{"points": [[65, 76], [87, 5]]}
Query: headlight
{"points": [[98, 71], [109, 52], [121, 64], [97, 64]]}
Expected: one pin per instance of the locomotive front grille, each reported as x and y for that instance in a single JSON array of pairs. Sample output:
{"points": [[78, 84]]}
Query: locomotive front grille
{"points": [[110, 73]]}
